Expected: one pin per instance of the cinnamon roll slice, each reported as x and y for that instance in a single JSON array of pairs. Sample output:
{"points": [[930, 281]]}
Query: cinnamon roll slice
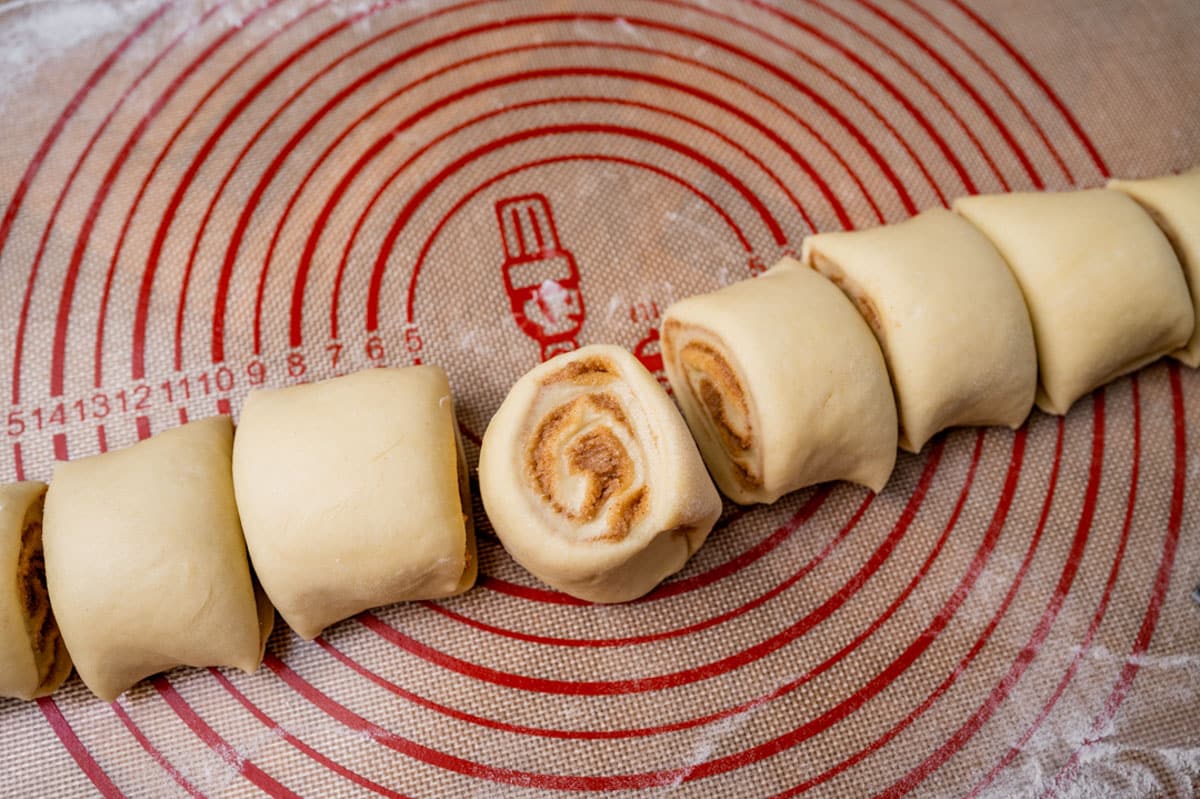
{"points": [[145, 562], [33, 658], [1105, 291], [591, 479], [1173, 202], [782, 384], [353, 494], [948, 316]]}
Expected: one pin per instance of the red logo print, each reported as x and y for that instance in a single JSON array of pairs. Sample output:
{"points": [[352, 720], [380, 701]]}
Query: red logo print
{"points": [[540, 277]]}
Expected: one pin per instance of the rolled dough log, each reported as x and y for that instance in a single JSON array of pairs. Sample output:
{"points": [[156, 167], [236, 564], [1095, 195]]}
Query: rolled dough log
{"points": [[782, 384], [1174, 204], [591, 480], [33, 657], [353, 494], [948, 316], [1104, 289], [145, 560]]}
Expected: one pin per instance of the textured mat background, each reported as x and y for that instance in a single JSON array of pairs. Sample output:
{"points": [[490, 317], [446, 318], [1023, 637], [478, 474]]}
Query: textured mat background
{"points": [[201, 197]]}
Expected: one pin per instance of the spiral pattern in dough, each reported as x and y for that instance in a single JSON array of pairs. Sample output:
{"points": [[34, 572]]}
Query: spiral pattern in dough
{"points": [[584, 456], [714, 387], [591, 479], [586, 434], [35, 601], [33, 658]]}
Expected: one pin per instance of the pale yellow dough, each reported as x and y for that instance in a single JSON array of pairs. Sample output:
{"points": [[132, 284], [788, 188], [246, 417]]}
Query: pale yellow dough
{"points": [[948, 315], [33, 657], [782, 384], [591, 480], [353, 494], [1174, 203], [145, 560], [1104, 289]]}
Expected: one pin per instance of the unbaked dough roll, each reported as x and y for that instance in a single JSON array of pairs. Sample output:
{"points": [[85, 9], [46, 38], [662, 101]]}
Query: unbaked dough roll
{"points": [[1104, 289], [948, 315], [1174, 203], [145, 560], [782, 384], [353, 494], [33, 658], [591, 480]]}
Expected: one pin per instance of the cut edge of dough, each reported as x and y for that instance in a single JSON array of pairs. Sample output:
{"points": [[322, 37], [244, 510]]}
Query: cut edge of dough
{"points": [[471, 557], [46, 643], [613, 496], [736, 480], [863, 303], [266, 619], [868, 309]]}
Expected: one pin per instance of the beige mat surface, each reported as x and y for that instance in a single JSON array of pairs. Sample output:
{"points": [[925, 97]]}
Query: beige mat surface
{"points": [[198, 198]]}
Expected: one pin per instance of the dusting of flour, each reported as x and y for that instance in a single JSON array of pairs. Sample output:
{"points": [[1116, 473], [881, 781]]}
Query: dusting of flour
{"points": [[34, 33]]}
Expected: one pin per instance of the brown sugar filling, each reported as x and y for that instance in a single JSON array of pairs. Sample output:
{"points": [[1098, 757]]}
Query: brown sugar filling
{"points": [[585, 372], [624, 513], [35, 600], [597, 454], [715, 385]]}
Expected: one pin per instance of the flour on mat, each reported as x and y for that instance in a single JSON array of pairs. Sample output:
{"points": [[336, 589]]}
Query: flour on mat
{"points": [[27, 39]]}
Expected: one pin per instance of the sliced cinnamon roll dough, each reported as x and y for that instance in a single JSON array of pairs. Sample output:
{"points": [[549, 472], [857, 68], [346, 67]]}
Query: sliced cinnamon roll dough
{"points": [[33, 657], [591, 480], [782, 384], [145, 561], [1104, 289], [353, 494], [948, 316], [1173, 202]]}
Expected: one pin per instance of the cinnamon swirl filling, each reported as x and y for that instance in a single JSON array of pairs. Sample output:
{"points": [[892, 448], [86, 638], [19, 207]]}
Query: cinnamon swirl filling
{"points": [[582, 455], [35, 600]]}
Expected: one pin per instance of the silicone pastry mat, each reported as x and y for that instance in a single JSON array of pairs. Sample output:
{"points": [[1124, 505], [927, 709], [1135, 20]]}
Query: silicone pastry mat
{"points": [[199, 198]]}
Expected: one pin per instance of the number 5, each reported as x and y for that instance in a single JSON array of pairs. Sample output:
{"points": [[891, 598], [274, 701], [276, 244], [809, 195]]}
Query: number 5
{"points": [[16, 423], [412, 339]]}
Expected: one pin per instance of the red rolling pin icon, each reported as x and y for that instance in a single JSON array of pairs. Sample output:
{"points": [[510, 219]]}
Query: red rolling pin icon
{"points": [[540, 277]]}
